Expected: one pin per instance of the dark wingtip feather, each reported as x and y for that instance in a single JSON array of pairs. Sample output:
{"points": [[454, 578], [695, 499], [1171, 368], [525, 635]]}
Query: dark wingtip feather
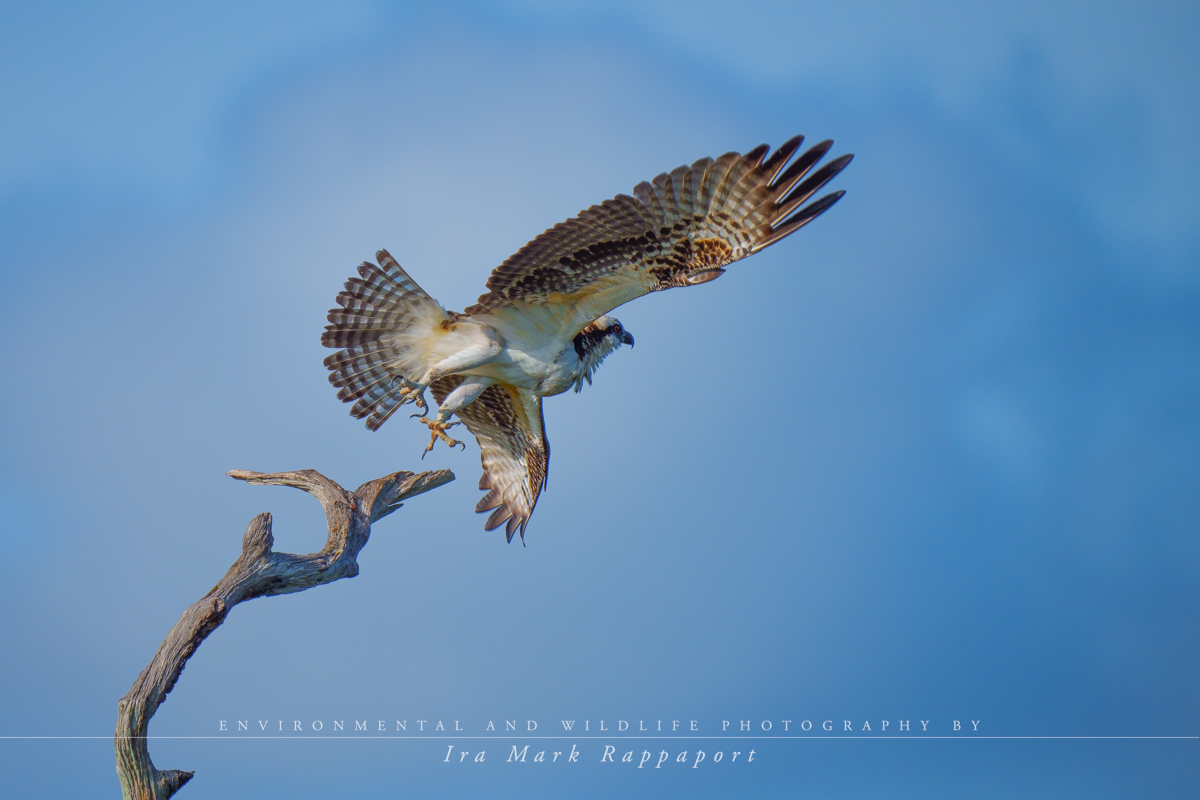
{"points": [[816, 209], [779, 159], [806, 215], [800, 167], [756, 155], [797, 197]]}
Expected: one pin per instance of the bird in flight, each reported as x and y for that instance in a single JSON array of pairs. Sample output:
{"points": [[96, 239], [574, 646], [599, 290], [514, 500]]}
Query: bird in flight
{"points": [[543, 326]]}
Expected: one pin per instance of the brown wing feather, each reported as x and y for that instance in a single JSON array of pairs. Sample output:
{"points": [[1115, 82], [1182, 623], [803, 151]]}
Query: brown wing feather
{"points": [[680, 229], [509, 426]]}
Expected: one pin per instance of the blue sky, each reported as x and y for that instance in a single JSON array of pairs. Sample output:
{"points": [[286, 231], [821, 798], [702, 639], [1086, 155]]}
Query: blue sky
{"points": [[935, 457]]}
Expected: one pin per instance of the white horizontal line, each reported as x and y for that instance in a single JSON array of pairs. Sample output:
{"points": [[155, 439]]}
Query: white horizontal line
{"points": [[730, 738]]}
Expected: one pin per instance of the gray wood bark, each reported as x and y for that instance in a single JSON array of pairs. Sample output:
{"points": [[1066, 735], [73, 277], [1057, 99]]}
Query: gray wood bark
{"points": [[258, 572]]}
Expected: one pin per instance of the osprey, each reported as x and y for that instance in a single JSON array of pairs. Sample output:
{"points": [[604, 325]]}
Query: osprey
{"points": [[543, 325]]}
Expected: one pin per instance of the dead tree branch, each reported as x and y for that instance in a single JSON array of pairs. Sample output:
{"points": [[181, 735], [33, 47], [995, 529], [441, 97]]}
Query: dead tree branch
{"points": [[258, 572]]}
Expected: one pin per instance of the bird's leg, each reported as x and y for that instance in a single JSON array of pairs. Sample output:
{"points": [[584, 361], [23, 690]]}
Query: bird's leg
{"points": [[464, 394], [437, 430], [411, 392], [488, 345], [472, 357]]}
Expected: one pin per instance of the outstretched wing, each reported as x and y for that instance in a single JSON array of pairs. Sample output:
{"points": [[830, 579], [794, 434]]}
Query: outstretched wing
{"points": [[680, 229], [509, 426]]}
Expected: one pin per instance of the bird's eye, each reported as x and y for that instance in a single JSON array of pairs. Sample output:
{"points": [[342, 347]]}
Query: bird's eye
{"points": [[616, 328]]}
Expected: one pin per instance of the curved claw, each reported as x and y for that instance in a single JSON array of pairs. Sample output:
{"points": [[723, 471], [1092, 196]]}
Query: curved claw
{"points": [[412, 393], [437, 430]]}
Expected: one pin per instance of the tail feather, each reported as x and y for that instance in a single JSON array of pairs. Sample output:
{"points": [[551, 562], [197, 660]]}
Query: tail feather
{"points": [[374, 310], [379, 403], [349, 338], [366, 321], [355, 354], [385, 291], [355, 387], [351, 370], [376, 291]]}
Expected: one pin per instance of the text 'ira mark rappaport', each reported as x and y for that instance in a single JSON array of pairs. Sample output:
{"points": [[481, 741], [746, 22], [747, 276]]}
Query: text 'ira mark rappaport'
{"points": [[609, 755]]}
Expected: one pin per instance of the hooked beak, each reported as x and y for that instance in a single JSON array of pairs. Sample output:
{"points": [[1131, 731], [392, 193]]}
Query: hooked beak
{"points": [[626, 338]]}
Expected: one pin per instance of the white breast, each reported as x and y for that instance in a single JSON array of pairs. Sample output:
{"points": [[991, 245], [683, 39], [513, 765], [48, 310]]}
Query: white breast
{"points": [[539, 354]]}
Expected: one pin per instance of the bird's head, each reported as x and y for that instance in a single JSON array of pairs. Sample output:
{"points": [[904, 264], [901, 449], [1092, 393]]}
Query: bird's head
{"points": [[594, 343]]}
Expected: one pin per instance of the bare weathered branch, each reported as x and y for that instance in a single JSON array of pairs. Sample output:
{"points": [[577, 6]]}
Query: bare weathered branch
{"points": [[258, 572]]}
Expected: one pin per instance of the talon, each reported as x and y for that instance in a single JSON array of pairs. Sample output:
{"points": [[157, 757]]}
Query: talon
{"points": [[413, 393], [437, 430]]}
